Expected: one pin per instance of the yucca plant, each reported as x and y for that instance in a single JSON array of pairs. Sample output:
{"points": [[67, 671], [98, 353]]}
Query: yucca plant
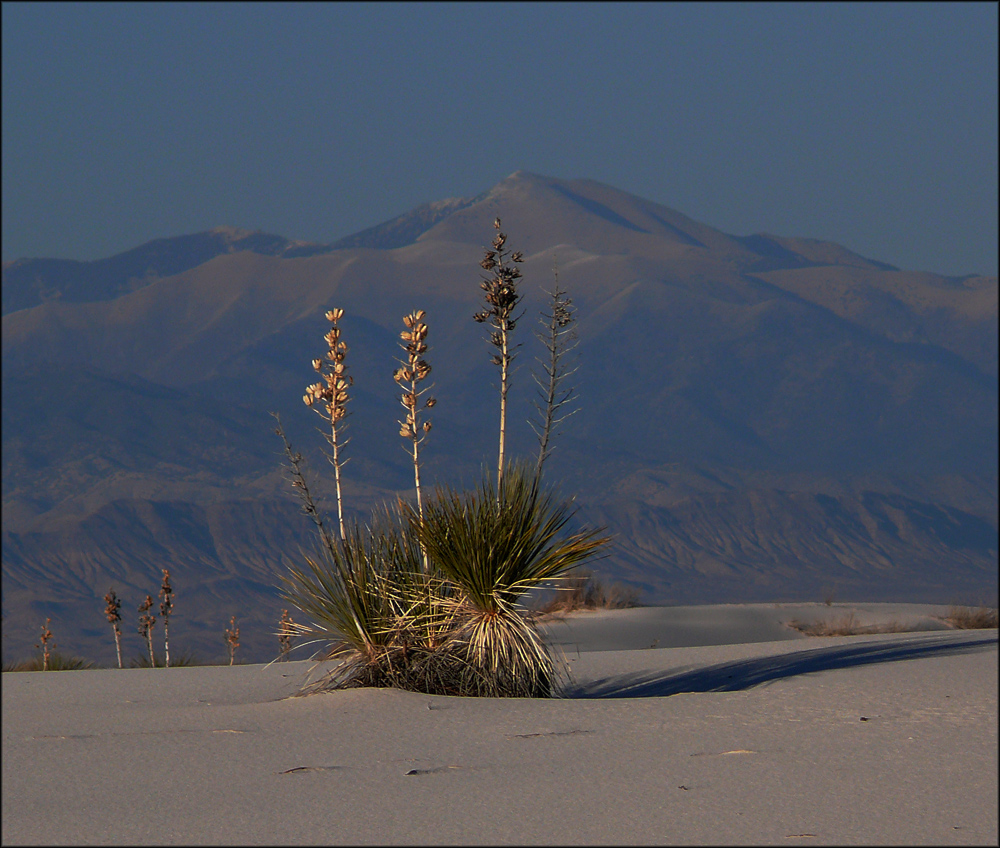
{"points": [[166, 596], [286, 633], [146, 622], [55, 661], [495, 544], [232, 639], [187, 658], [430, 597], [44, 641], [114, 616]]}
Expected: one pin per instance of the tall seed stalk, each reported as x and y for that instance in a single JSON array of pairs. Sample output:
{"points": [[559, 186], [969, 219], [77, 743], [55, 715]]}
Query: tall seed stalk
{"points": [[559, 338], [329, 397], [114, 614], [414, 370], [44, 640], [502, 297], [232, 638], [299, 482], [286, 632], [146, 622], [166, 606]]}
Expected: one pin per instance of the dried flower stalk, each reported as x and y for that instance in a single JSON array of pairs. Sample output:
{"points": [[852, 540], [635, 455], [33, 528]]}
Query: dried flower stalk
{"points": [[44, 640], [146, 622], [299, 482], [232, 638], [286, 632], [559, 339], [114, 614], [328, 398], [502, 298], [166, 605], [414, 371]]}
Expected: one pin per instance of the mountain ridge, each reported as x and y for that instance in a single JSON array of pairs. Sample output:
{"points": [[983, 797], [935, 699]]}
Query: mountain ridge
{"points": [[136, 430]]}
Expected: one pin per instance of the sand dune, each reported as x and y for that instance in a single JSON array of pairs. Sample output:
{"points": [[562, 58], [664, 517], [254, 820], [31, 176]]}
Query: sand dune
{"points": [[749, 734]]}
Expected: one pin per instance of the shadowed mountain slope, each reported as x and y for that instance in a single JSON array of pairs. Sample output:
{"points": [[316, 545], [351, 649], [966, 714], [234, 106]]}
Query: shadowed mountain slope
{"points": [[760, 417]]}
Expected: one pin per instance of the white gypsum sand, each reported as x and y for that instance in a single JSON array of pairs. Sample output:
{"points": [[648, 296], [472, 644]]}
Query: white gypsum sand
{"points": [[848, 740]]}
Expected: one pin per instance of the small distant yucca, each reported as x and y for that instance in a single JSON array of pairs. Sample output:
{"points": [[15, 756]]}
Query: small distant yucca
{"points": [[146, 622], [232, 639], [166, 606], [44, 640], [286, 632], [113, 612]]}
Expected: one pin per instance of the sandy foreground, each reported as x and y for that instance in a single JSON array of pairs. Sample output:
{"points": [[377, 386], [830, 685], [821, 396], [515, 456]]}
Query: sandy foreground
{"points": [[705, 725]]}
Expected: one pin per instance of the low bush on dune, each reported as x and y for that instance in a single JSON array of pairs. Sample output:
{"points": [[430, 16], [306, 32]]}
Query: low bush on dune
{"points": [[188, 658], [586, 592], [847, 625], [430, 596], [970, 618], [56, 662]]}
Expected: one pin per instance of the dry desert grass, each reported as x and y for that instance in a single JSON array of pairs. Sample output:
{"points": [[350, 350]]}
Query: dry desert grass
{"points": [[846, 625], [586, 592], [969, 618], [958, 618]]}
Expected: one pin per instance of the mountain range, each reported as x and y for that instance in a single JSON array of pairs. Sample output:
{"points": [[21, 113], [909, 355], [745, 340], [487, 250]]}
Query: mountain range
{"points": [[760, 418]]}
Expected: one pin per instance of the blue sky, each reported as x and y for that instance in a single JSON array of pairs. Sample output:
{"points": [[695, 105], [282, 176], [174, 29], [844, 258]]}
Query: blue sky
{"points": [[872, 125]]}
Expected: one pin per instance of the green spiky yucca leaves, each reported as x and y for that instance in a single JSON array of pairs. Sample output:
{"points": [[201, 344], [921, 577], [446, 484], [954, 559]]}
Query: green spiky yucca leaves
{"points": [[460, 629], [368, 596], [493, 545]]}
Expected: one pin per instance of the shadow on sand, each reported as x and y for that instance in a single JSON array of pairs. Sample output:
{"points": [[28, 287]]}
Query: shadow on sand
{"points": [[745, 674]]}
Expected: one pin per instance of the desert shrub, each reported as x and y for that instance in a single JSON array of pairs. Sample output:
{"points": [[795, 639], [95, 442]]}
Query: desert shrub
{"points": [[586, 592], [847, 625], [970, 618], [188, 658], [56, 662]]}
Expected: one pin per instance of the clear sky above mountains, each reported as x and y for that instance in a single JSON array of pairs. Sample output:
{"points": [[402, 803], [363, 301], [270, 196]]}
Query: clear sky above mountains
{"points": [[872, 125]]}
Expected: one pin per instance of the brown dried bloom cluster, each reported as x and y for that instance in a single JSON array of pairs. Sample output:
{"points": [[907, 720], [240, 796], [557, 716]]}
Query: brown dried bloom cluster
{"points": [[502, 297], [329, 396], [414, 370]]}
